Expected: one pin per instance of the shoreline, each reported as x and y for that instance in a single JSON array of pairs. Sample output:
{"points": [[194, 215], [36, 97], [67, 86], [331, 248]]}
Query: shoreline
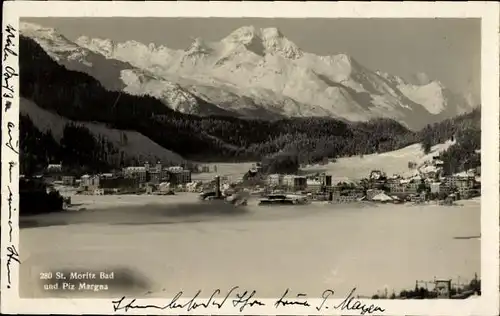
{"points": [[94, 202]]}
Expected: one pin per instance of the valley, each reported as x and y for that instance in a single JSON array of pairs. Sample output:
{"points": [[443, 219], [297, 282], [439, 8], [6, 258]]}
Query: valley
{"points": [[153, 97]]}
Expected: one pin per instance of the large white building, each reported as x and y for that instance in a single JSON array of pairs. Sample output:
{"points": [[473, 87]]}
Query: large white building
{"points": [[135, 171], [89, 183], [179, 175]]}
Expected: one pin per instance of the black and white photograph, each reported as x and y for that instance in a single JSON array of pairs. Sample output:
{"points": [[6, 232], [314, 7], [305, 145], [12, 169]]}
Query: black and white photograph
{"points": [[322, 164]]}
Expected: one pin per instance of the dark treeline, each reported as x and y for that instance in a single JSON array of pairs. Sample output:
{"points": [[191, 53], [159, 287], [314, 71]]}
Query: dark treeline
{"points": [[78, 149], [80, 97], [37, 149], [448, 129]]}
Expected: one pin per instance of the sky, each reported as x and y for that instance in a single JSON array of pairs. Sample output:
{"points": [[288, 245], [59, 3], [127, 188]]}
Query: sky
{"points": [[448, 50]]}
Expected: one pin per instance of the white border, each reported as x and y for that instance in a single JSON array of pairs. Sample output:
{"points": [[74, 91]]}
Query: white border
{"points": [[487, 304]]}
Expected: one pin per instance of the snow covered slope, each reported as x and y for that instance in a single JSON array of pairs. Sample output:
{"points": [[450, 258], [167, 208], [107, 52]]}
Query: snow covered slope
{"points": [[393, 162], [260, 72], [137, 145], [349, 168], [433, 95]]}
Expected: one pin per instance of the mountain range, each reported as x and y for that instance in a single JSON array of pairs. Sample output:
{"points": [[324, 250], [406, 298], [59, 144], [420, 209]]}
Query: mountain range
{"points": [[71, 115], [253, 73]]}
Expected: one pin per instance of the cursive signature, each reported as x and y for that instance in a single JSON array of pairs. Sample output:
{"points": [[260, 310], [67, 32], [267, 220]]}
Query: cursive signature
{"points": [[283, 302], [350, 303], [7, 50], [9, 144], [242, 300], [12, 255], [245, 298]]}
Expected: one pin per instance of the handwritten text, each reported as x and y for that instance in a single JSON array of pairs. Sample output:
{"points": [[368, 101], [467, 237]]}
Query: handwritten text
{"points": [[246, 299], [242, 300], [9, 72]]}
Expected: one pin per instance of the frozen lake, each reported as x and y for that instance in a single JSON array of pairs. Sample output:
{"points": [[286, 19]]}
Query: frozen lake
{"points": [[162, 245]]}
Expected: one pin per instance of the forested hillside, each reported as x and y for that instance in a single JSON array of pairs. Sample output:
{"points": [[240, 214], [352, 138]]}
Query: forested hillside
{"points": [[78, 96], [440, 132], [77, 148], [466, 131]]}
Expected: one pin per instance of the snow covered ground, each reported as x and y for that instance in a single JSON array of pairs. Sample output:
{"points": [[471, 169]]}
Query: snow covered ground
{"points": [[393, 162], [163, 244], [347, 168]]}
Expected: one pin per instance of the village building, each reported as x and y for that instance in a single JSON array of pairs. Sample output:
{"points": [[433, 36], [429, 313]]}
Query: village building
{"points": [[179, 175], [274, 180], [157, 174], [326, 180], [313, 185], [68, 180], [299, 183], [439, 188], [461, 181], [53, 172], [377, 175], [348, 196], [135, 172], [430, 171], [54, 168], [89, 183], [437, 162], [288, 180], [204, 169], [406, 187]]}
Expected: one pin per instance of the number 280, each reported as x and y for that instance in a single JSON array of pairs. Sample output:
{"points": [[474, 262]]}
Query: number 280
{"points": [[46, 275]]}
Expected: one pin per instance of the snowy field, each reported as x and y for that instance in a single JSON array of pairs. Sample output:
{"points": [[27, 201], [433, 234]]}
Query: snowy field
{"points": [[159, 245], [347, 168]]}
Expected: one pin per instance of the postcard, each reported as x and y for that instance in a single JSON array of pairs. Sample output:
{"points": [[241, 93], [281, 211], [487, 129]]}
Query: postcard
{"points": [[255, 158]]}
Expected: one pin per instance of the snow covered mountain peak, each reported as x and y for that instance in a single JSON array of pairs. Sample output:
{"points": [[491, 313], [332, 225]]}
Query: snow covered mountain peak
{"points": [[32, 28], [263, 41], [46, 34], [276, 43], [56, 45], [271, 32], [198, 47], [103, 46], [254, 72], [244, 35]]}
